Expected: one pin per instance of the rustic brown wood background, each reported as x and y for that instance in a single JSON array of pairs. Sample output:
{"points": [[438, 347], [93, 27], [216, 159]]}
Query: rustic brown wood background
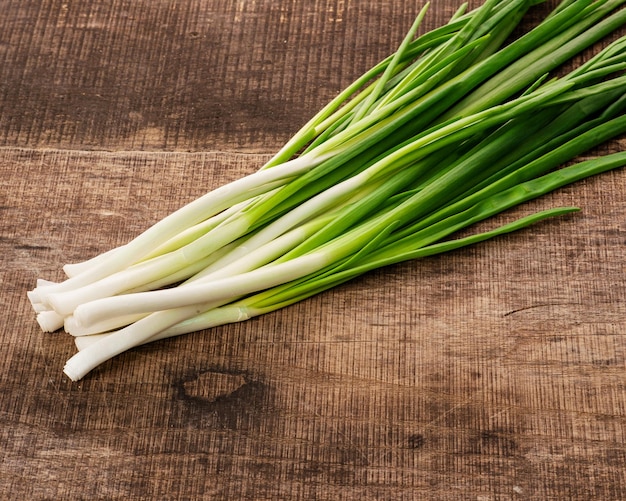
{"points": [[493, 373]]}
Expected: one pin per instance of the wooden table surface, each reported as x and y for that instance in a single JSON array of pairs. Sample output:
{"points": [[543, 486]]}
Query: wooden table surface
{"points": [[494, 373]]}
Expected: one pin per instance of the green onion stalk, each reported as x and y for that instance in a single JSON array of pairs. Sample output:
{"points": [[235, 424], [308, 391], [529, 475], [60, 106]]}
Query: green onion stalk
{"points": [[461, 123]]}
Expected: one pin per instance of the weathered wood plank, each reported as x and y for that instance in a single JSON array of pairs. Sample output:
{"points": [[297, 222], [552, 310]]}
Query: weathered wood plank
{"points": [[192, 75], [495, 372]]}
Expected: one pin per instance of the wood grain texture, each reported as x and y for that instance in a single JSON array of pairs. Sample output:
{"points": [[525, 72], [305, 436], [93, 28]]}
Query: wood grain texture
{"points": [[169, 75], [493, 373]]}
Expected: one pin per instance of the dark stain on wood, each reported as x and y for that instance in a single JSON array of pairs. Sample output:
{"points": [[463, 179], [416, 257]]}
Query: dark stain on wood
{"points": [[416, 441], [224, 398], [492, 443]]}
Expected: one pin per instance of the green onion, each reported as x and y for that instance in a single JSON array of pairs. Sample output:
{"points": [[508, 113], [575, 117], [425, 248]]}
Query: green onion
{"points": [[458, 125]]}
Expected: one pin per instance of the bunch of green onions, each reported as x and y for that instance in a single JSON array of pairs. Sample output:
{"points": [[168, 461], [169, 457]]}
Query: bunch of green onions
{"points": [[459, 124]]}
